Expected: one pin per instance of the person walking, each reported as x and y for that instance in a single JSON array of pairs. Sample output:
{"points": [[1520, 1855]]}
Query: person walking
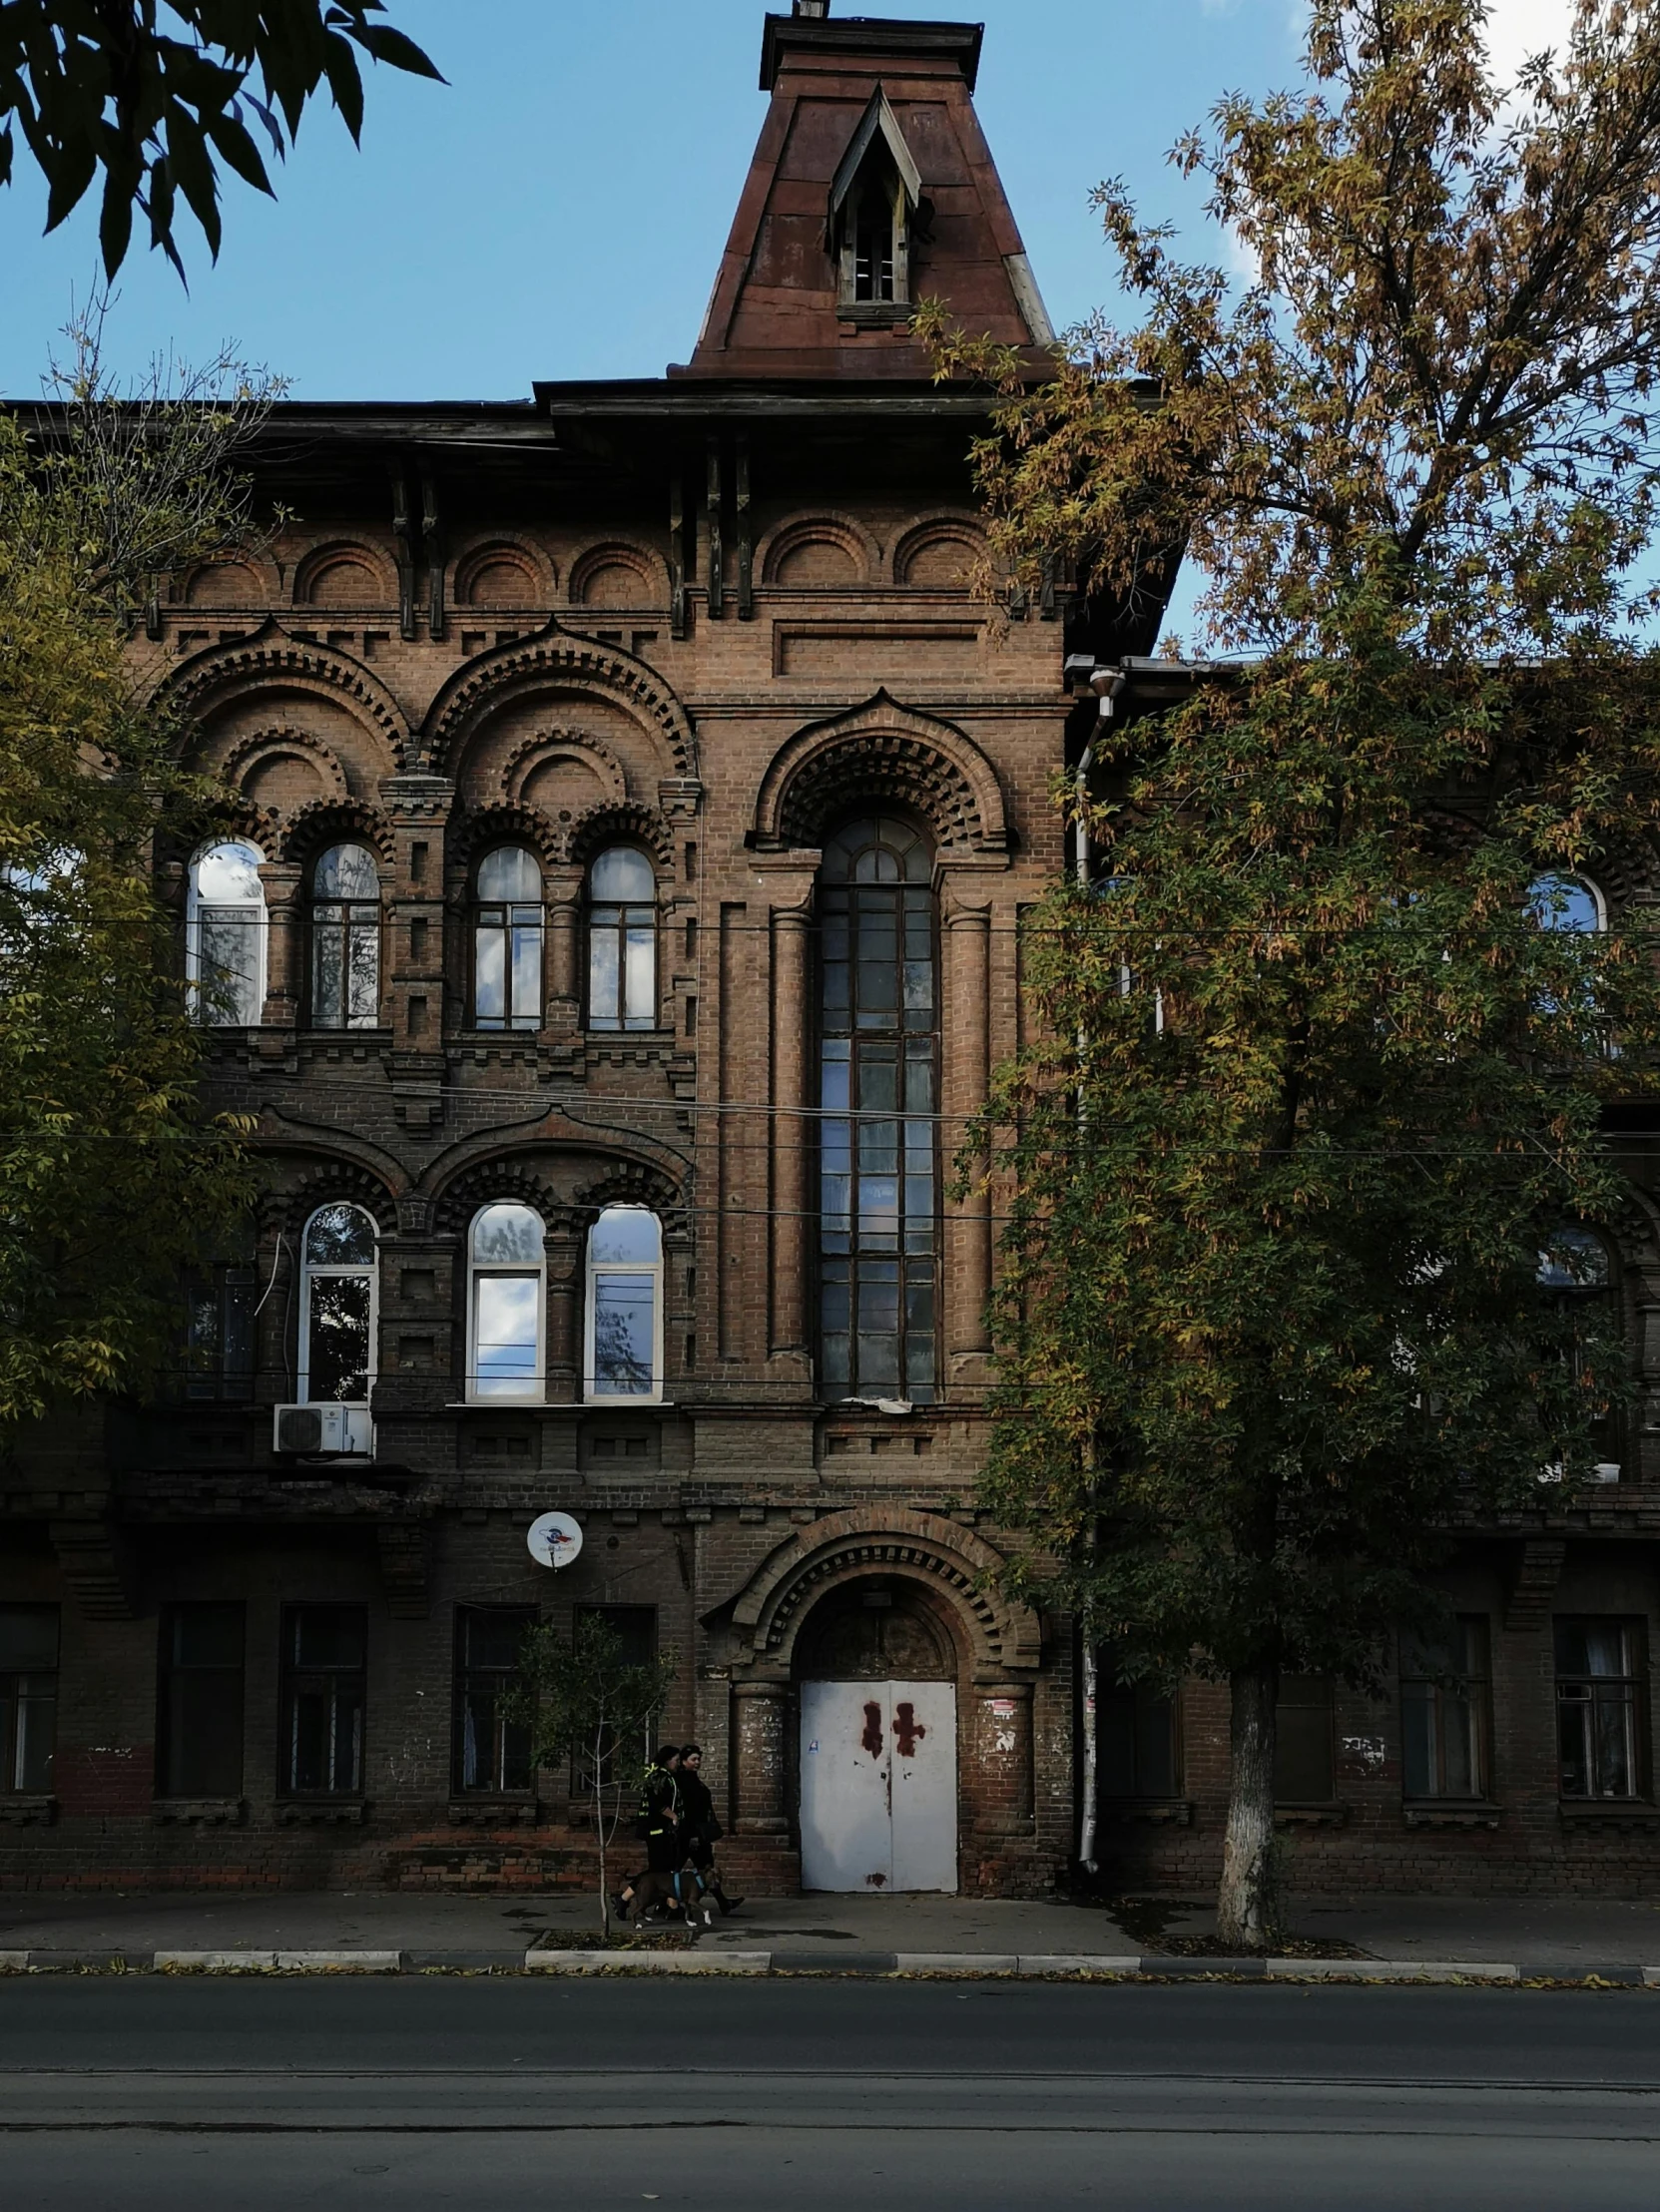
{"points": [[660, 1825], [700, 1830]]}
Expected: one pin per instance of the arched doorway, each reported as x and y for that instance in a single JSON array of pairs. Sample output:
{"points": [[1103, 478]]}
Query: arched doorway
{"points": [[877, 1667]]}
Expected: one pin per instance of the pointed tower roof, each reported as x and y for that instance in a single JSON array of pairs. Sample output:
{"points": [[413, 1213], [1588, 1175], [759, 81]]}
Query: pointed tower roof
{"points": [[872, 188]]}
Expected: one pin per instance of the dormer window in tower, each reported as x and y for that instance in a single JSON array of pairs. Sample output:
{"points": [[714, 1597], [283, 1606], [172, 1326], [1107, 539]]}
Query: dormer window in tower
{"points": [[873, 202]]}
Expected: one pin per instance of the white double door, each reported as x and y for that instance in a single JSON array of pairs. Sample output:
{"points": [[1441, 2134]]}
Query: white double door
{"points": [[879, 1770]]}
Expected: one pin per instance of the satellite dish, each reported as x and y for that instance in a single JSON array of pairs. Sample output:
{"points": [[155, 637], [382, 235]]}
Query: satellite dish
{"points": [[554, 1540]]}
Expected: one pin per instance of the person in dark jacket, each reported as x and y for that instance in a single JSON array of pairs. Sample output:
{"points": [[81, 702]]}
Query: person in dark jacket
{"points": [[660, 1825], [700, 1830]]}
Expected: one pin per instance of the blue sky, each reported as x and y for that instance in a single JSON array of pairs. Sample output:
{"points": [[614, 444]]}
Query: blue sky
{"points": [[558, 208]]}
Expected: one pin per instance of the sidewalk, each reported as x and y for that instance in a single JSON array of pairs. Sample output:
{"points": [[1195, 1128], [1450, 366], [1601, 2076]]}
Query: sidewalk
{"points": [[398, 1929]]}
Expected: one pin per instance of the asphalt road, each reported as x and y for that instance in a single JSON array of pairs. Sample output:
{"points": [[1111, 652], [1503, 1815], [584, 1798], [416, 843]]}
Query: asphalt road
{"points": [[145, 2093]]}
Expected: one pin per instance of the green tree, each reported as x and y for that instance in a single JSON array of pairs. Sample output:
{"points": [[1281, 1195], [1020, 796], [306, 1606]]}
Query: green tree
{"points": [[111, 1178], [1323, 1075], [583, 1697], [112, 86]]}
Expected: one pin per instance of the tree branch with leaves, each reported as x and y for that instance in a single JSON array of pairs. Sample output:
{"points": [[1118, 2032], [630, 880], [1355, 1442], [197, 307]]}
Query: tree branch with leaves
{"points": [[1321, 1076]]}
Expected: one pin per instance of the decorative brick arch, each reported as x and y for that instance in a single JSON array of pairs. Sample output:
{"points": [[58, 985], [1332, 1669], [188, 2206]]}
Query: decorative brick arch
{"points": [[490, 1182], [379, 588], [888, 1540], [560, 741], [506, 550], [881, 750], [633, 1183], [271, 743], [617, 553], [271, 660], [601, 825], [329, 1183], [556, 657], [327, 821], [481, 829], [846, 532]]}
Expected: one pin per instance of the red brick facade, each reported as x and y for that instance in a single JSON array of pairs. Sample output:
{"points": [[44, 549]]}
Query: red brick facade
{"points": [[710, 619]]}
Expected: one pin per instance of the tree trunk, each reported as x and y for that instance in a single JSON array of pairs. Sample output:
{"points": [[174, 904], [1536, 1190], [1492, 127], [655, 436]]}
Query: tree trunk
{"points": [[1088, 1800], [1247, 1905]]}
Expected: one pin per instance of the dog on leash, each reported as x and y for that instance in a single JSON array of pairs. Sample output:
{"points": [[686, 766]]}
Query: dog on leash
{"points": [[677, 1894]]}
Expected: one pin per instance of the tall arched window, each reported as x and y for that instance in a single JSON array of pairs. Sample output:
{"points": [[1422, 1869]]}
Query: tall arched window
{"points": [[622, 941], [345, 939], [507, 941], [622, 1356], [878, 1052], [506, 1299], [224, 936], [338, 1306]]}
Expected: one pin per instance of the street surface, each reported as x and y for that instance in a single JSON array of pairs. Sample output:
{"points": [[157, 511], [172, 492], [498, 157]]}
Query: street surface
{"points": [[137, 2092]]}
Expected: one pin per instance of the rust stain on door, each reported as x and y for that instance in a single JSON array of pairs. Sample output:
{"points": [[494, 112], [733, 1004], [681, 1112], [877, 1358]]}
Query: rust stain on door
{"points": [[871, 1740], [906, 1727]]}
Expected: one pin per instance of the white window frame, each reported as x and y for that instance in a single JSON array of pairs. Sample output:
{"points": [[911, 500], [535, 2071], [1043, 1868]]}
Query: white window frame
{"points": [[349, 928], [590, 1393], [477, 1270], [628, 1018], [194, 904], [1572, 876], [308, 1276]]}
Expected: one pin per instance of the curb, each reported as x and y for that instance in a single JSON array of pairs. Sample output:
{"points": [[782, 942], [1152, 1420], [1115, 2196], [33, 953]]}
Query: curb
{"points": [[890, 1964]]}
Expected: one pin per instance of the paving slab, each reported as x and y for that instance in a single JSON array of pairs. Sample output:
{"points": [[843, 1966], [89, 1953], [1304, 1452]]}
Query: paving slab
{"points": [[1551, 1931]]}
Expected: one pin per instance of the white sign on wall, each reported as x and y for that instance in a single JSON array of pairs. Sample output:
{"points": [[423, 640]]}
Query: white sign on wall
{"points": [[554, 1540]]}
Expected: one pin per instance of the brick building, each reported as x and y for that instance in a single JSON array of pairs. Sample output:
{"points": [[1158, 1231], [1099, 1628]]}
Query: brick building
{"points": [[638, 811]]}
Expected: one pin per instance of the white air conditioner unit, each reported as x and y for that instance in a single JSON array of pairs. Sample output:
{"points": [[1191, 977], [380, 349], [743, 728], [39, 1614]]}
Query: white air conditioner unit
{"points": [[323, 1431], [1606, 1470]]}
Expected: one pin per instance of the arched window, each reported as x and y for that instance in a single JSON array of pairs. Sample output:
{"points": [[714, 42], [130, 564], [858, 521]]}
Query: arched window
{"points": [[1567, 902], [507, 941], [621, 941], [505, 1303], [345, 939], [224, 936], [878, 1059], [623, 1358], [338, 1306]]}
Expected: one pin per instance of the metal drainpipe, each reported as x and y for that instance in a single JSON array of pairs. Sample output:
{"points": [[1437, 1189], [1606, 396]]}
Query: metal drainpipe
{"points": [[1107, 684]]}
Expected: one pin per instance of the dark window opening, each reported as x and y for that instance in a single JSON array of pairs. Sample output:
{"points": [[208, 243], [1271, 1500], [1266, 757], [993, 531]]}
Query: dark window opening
{"points": [[634, 1626], [1304, 1763], [874, 246], [324, 1657], [1135, 1739], [199, 1752], [219, 1333], [1444, 1707], [492, 1753], [1600, 1708], [28, 1698]]}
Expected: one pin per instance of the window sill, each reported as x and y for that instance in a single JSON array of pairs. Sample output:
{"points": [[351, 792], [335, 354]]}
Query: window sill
{"points": [[1456, 1813], [199, 1812], [1166, 1812], [1331, 1815], [485, 1811], [28, 1808], [1631, 1813], [341, 1812], [874, 314]]}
